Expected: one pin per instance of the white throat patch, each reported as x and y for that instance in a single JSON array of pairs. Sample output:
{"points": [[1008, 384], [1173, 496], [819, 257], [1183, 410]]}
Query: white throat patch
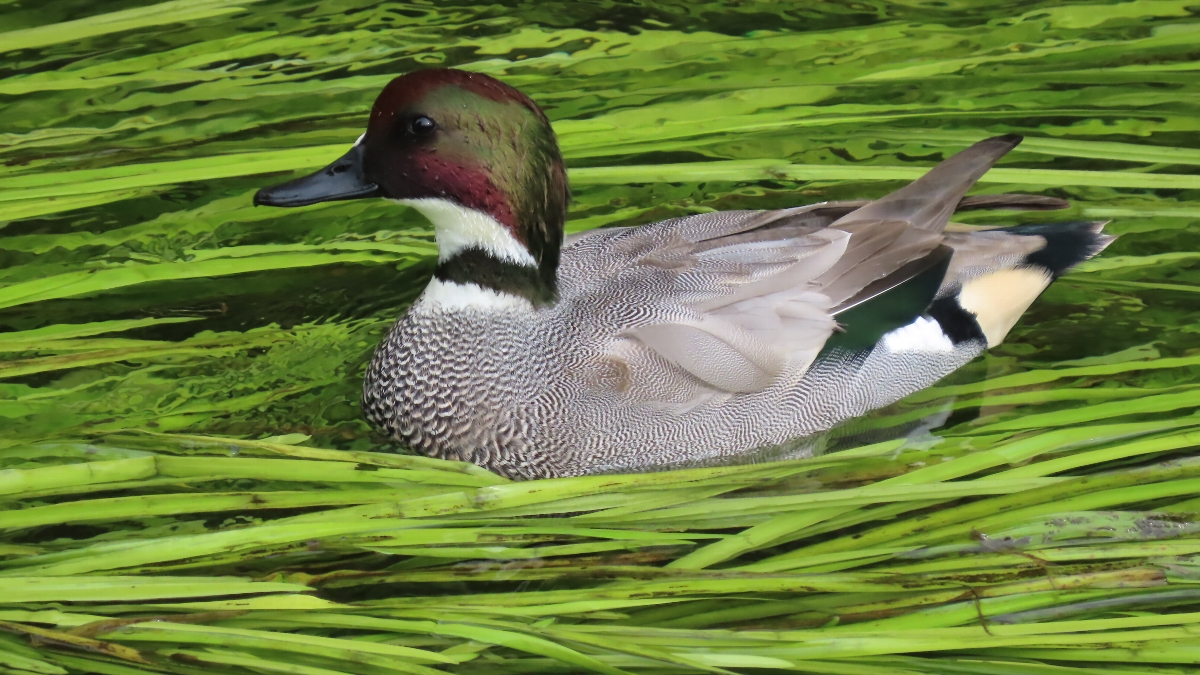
{"points": [[457, 228]]}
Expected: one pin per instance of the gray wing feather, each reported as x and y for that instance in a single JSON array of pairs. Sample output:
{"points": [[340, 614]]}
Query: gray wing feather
{"points": [[1012, 202], [908, 222], [741, 298], [715, 352], [927, 202], [749, 314]]}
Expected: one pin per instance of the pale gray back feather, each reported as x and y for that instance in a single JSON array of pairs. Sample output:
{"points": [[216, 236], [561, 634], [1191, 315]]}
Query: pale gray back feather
{"points": [[977, 253]]}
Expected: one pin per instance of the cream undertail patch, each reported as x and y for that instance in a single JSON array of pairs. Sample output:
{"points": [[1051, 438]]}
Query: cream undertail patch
{"points": [[1000, 298]]}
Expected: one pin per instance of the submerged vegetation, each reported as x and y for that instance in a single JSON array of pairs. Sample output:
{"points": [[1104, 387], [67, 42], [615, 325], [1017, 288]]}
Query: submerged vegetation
{"points": [[186, 482]]}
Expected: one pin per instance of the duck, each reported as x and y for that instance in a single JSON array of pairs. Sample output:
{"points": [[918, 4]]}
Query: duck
{"points": [[692, 340]]}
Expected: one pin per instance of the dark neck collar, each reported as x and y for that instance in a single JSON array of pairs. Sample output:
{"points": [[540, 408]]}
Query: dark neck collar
{"points": [[477, 266]]}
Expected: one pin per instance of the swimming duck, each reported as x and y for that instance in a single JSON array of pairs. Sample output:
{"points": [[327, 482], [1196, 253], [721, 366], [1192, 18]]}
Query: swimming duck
{"points": [[683, 341]]}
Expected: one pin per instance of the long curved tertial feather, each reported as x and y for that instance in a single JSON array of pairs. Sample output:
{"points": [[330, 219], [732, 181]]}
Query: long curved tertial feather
{"points": [[927, 202]]}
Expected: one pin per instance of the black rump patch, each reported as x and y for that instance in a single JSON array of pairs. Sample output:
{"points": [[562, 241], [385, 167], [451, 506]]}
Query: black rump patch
{"points": [[957, 323], [1067, 244]]}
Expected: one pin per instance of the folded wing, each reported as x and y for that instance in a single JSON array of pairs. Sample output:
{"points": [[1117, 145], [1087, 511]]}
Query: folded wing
{"points": [[739, 299]]}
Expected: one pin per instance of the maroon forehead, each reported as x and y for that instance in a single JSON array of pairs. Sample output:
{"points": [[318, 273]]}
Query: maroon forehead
{"points": [[405, 90]]}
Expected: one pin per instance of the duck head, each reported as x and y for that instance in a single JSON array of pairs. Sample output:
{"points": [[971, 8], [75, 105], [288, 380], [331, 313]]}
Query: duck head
{"points": [[478, 158]]}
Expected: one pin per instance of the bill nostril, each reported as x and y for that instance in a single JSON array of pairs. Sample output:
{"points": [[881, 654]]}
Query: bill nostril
{"points": [[340, 168]]}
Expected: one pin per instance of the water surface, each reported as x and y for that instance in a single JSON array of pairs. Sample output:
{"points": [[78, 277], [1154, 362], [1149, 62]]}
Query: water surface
{"points": [[141, 290]]}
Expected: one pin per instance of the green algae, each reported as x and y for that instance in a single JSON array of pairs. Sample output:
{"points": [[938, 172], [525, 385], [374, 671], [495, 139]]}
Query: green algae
{"points": [[186, 480]]}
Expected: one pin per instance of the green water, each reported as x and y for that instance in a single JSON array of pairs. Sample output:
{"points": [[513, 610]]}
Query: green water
{"points": [[1051, 483], [141, 290]]}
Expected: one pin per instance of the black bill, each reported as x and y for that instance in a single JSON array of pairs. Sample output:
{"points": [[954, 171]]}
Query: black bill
{"points": [[344, 179]]}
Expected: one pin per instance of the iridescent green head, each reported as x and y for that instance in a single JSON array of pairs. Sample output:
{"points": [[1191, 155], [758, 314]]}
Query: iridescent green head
{"points": [[478, 157]]}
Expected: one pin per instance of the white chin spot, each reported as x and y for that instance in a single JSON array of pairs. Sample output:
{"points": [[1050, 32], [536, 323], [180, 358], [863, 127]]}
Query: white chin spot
{"points": [[922, 335], [457, 228], [449, 296]]}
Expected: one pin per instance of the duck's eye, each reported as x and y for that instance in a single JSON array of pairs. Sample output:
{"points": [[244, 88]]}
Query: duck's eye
{"points": [[422, 125]]}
